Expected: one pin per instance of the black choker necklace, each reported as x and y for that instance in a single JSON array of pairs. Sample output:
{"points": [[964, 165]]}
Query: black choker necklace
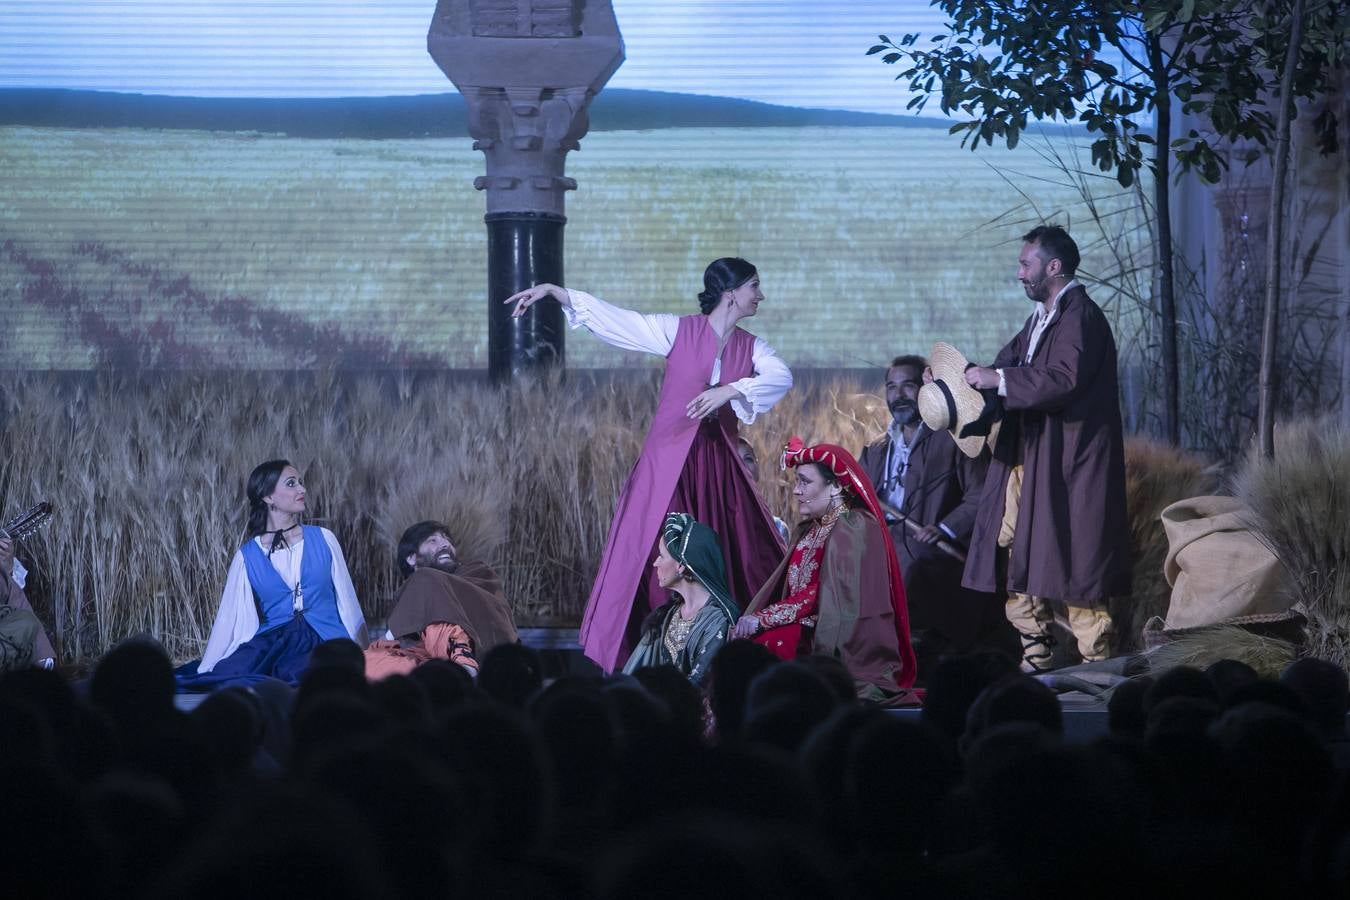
{"points": [[279, 538]]}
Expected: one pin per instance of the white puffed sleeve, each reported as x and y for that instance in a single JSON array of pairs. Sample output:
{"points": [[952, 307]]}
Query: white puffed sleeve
{"points": [[349, 608], [622, 328], [772, 379], [236, 619]]}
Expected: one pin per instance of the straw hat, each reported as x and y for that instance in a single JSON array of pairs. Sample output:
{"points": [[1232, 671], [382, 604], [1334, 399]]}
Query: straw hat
{"points": [[948, 403]]}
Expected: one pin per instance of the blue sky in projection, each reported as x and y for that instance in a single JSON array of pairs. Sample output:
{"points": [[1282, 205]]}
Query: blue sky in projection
{"points": [[791, 52]]}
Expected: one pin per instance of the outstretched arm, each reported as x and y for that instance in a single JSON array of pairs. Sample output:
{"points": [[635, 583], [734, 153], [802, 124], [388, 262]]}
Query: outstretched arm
{"points": [[530, 296], [618, 327]]}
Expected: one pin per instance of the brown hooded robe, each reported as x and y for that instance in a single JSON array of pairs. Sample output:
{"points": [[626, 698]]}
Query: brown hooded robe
{"points": [[470, 598], [1062, 424]]}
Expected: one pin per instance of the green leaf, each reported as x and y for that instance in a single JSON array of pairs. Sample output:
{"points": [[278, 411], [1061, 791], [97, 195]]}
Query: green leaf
{"points": [[877, 49], [1156, 20], [890, 58]]}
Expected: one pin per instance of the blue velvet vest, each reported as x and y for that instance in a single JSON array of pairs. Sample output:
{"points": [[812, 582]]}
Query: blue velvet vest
{"points": [[274, 599]]}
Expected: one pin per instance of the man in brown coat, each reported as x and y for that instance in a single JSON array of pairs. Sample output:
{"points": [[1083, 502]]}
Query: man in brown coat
{"points": [[446, 608], [1052, 526], [924, 476]]}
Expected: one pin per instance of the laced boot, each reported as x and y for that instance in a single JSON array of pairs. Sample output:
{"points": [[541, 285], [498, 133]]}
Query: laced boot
{"points": [[1032, 617]]}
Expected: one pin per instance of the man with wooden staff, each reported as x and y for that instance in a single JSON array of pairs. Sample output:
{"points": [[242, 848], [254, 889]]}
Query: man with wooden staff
{"points": [[930, 490]]}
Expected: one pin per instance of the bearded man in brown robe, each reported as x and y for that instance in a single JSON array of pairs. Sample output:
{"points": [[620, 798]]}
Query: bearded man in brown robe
{"points": [[446, 609], [1052, 527]]}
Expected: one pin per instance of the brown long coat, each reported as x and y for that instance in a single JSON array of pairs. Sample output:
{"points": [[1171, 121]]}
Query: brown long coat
{"points": [[1062, 422]]}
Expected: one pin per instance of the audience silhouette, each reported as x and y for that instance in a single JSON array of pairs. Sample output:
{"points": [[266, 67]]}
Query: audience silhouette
{"points": [[776, 781]]}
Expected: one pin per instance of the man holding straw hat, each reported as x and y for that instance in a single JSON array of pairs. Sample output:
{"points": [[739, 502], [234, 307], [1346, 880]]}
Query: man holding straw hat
{"points": [[929, 491], [1052, 528]]}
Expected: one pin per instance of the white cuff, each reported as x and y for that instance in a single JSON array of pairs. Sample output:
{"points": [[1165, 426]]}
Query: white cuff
{"points": [[741, 404], [1002, 384], [576, 312]]}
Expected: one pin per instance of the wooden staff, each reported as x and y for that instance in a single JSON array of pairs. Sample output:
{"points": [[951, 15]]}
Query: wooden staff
{"points": [[950, 549]]}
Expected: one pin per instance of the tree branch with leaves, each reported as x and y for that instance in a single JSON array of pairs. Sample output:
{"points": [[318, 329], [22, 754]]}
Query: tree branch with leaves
{"points": [[1115, 67]]}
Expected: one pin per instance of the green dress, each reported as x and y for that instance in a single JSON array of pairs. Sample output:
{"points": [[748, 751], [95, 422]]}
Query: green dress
{"points": [[688, 645], [667, 637]]}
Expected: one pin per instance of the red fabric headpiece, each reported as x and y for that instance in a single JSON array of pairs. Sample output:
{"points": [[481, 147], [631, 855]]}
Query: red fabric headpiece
{"points": [[838, 460], [844, 467]]}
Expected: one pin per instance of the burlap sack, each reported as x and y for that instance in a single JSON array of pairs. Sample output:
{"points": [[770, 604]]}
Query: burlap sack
{"points": [[1220, 573]]}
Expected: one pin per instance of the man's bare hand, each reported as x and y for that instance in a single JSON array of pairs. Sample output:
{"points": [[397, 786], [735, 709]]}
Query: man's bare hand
{"points": [[929, 534], [981, 378]]}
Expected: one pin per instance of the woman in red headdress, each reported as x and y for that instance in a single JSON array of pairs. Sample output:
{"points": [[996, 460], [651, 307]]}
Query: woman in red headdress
{"points": [[839, 590]]}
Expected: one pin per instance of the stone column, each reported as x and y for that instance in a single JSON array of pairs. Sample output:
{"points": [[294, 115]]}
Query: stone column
{"points": [[527, 70]]}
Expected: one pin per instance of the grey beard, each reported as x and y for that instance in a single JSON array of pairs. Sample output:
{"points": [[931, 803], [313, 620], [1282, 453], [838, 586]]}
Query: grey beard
{"points": [[905, 415]]}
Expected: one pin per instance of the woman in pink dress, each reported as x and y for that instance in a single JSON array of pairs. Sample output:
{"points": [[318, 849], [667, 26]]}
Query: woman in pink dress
{"points": [[716, 375]]}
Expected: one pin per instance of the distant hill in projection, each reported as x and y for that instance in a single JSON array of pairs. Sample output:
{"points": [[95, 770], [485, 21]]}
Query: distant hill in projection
{"points": [[423, 115]]}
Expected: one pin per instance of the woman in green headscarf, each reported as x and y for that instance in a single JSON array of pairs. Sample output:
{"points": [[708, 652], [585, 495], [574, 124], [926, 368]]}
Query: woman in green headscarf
{"points": [[696, 621]]}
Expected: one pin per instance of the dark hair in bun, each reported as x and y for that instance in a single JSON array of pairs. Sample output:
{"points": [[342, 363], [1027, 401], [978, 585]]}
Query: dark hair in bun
{"points": [[722, 275], [262, 483]]}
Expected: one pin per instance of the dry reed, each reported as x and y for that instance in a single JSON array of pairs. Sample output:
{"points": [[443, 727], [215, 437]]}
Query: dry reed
{"points": [[1204, 646], [1300, 507], [1156, 476], [147, 474]]}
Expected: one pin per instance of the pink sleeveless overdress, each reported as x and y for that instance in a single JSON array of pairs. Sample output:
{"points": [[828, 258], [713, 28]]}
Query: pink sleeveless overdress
{"points": [[686, 465]]}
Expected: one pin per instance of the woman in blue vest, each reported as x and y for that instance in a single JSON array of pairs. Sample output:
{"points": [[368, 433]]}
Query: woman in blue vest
{"points": [[288, 590]]}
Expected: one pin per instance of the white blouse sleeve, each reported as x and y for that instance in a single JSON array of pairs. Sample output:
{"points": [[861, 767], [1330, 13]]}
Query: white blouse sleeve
{"points": [[772, 379], [349, 608], [622, 328], [236, 620]]}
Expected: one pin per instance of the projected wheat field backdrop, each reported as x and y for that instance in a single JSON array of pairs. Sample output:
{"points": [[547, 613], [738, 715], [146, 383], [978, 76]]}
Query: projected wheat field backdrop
{"points": [[189, 249]]}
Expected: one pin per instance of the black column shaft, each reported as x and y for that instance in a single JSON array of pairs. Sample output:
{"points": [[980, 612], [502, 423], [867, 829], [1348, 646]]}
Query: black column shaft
{"points": [[524, 249]]}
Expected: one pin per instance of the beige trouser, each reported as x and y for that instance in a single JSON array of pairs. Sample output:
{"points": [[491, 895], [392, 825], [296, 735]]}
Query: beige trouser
{"points": [[1089, 622]]}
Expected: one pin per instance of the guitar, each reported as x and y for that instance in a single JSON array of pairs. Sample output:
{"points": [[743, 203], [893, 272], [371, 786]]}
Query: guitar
{"points": [[27, 522]]}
